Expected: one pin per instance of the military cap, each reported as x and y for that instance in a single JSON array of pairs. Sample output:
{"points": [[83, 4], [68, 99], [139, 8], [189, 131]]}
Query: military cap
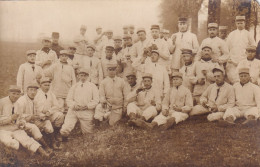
{"points": [[83, 27], [30, 52], [239, 18], [155, 51], [155, 26], [182, 19], [117, 38], [72, 45], [83, 70], [140, 30], [14, 88], [218, 68], [33, 85], [177, 74], [91, 46], [243, 70], [46, 38], [130, 73], [251, 47], [127, 36], [147, 75], [223, 28], [98, 27], [131, 26], [45, 79], [110, 47], [186, 51], [109, 31], [111, 65], [55, 35], [212, 25], [125, 27], [64, 52], [206, 45]]}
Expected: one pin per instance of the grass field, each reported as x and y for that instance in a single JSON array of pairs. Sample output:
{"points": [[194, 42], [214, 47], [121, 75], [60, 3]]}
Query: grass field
{"points": [[194, 142]]}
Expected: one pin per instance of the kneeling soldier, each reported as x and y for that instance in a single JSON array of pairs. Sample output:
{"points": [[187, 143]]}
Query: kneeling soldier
{"points": [[216, 98], [82, 100]]}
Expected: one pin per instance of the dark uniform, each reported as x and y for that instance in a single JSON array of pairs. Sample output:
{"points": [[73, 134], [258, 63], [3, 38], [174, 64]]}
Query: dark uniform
{"points": [[55, 45]]}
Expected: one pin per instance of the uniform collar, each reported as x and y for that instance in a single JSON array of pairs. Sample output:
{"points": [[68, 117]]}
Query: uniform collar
{"points": [[244, 84], [46, 49]]}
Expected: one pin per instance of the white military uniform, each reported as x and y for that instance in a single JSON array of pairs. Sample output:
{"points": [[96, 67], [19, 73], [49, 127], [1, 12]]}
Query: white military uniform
{"points": [[179, 97], [183, 40], [189, 79], [27, 74], [247, 101], [237, 41], [10, 135], [42, 57], [82, 94], [104, 62]]}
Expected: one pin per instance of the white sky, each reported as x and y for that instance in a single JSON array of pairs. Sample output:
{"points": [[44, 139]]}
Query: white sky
{"points": [[26, 20]]}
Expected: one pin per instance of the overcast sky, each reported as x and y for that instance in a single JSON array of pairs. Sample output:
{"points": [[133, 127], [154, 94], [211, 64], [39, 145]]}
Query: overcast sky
{"points": [[26, 20]]}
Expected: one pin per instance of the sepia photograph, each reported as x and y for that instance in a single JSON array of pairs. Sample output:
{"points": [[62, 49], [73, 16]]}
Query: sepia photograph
{"points": [[130, 83]]}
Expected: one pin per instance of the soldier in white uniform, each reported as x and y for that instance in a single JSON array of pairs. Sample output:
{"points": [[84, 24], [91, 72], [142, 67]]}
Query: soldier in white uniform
{"points": [[46, 57], [107, 41], [112, 92], [131, 30], [237, 42], [82, 100], [217, 98], [142, 44], [220, 53], [98, 39], [29, 71], [125, 29], [223, 32], [63, 78], [82, 34], [176, 104], [183, 39], [10, 134], [108, 59], [252, 63], [247, 100]]}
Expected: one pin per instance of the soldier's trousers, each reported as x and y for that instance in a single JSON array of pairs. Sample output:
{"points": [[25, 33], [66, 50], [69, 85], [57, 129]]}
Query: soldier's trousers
{"points": [[148, 113], [113, 116], [235, 112], [179, 117], [200, 110]]}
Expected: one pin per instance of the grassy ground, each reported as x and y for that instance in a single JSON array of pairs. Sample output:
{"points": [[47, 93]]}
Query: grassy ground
{"points": [[195, 142]]}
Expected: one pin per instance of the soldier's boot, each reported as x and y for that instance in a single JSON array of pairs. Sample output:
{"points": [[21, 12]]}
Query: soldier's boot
{"points": [[43, 153], [55, 145], [227, 122], [45, 145], [168, 124], [250, 121]]}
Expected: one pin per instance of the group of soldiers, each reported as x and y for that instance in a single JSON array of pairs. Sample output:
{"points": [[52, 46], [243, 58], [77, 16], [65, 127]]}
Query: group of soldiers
{"points": [[156, 82]]}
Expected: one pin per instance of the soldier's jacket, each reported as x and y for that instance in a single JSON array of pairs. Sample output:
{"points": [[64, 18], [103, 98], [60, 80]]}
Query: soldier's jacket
{"points": [[189, 76], [27, 74], [104, 62], [178, 97], [42, 57], [223, 97], [6, 109]]}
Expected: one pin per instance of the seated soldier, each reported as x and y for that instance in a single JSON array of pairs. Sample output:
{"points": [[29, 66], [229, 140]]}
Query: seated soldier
{"points": [[29, 114], [247, 103], [112, 93], [10, 134], [217, 98], [29, 71], [82, 100], [47, 105], [176, 104], [189, 79], [144, 103], [203, 72], [252, 63]]}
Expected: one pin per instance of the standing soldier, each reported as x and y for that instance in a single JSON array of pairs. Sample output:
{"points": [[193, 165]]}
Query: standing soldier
{"points": [[161, 45], [29, 71], [45, 57], [63, 78], [108, 59], [128, 54], [10, 134], [82, 100], [55, 43], [223, 32], [119, 54], [93, 64], [217, 98], [237, 42], [112, 93], [247, 100], [82, 34], [72, 60], [98, 39], [183, 39], [131, 30], [108, 41], [220, 53], [125, 29]]}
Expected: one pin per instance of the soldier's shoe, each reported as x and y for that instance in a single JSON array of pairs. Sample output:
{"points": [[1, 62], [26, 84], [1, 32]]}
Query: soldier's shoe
{"points": [[131, 122], [45, 145], [168, 124], [43, 153], [227, 122], [250, 122], [141, 123]]}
